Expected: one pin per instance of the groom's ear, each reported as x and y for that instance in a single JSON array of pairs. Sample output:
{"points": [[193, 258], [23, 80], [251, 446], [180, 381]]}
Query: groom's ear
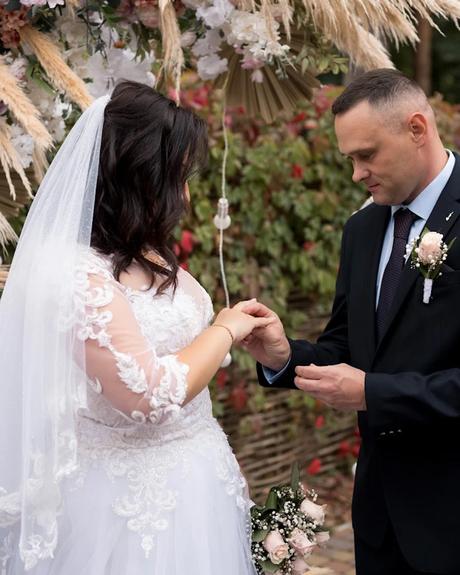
{"points": [[418, 128]]}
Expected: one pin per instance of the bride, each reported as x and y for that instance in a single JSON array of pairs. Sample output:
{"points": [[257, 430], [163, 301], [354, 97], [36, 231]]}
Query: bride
{"points": [[111, 462]]}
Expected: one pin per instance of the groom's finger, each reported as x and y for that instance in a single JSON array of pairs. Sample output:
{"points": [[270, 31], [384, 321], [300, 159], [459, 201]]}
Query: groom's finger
{"points": [[311, 371], [257, 309], [311, 386]]}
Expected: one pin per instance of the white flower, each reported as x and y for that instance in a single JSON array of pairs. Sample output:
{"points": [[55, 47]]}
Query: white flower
{"points": [[120, 64], [276, 547], [300, 542], [209, 67], [54, 3], [430, 248], [187, 39], [217, 14], [316, 512], [209, 44], [23, 143], [18, 68], [257, 76]]}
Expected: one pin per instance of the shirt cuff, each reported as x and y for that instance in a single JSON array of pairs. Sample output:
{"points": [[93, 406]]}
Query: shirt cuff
{"points": [[271, 376]]}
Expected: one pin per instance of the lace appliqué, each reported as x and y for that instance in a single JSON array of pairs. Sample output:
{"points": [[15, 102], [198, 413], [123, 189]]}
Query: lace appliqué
{"points": [[167, 397]]}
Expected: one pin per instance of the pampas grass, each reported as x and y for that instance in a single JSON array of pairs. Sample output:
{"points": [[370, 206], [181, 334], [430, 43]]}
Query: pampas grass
{"points": [[59, 73], [9, 158], [173, 56], [22, 108]]}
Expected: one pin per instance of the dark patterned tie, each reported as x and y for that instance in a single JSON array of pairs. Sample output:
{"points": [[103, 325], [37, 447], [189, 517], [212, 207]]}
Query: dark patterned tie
{"points": [[403, 219]]}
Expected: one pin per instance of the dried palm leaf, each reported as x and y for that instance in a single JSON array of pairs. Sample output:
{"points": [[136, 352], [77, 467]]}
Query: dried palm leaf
{"points": [[173, 56], [59, 73], [268, 98], [22, 108]]}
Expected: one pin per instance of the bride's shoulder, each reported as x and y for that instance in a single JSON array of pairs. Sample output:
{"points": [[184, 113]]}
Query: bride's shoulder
{"points": [[92, 261]]}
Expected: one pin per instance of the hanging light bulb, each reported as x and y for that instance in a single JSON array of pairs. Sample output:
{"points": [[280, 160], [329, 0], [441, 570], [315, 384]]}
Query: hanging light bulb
{"points": [[222, 220]]}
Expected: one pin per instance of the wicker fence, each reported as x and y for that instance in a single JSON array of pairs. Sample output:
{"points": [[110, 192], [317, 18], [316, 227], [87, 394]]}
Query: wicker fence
{"points": [[272, 439]]}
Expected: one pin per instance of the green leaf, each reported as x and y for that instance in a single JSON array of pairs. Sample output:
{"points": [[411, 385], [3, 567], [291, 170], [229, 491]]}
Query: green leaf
{"points": [[295, 476], [269, 567], [272, 500], [259, 535]]}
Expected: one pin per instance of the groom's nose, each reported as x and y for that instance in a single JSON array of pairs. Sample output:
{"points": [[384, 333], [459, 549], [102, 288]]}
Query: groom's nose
{"points": [[359, 173]]}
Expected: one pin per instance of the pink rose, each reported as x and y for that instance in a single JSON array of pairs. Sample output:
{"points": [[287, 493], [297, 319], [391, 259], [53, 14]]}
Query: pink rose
{"points": [[430, 248], [316, 512], [276, 547], [299, 566], [322, 537], [300, 542]]}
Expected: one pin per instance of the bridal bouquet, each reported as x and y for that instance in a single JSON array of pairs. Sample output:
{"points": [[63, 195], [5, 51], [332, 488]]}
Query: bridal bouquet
{"points": [[286, 529]]}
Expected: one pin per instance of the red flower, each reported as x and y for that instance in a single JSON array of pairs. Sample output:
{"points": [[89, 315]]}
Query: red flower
{"points": [[187, 242], [309, 246], [344, 448], [319, 423], [297, 171], [300, 117], [355, 449], [222, 378], [238, 397], [321, 102], [176, 249], [314, 467], [184, 266]]}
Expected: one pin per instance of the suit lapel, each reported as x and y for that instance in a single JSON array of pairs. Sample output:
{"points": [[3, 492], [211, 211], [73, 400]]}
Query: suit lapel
{"points": [[444, 215], [377, 224]]}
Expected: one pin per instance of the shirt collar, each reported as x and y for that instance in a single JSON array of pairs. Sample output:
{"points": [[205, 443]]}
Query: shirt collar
{"points": [[423, 204]]}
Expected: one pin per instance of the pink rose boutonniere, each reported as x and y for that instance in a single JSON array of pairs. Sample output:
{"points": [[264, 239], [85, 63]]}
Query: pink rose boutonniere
{"points": [[427, 253]]}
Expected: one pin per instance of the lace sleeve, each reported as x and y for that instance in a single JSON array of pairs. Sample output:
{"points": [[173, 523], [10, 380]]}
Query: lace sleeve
{"points": [[122, 363]]}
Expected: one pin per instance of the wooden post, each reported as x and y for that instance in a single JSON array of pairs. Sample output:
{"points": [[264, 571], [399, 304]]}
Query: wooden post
{"points": [[423, 56]]}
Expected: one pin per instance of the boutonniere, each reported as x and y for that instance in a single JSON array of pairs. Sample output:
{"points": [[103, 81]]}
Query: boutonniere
{"points": [[427, 253]]}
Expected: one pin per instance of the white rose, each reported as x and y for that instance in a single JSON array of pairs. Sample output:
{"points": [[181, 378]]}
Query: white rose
{"points": [[276, 547], [316, 512], [430, 248], [300, 542]]}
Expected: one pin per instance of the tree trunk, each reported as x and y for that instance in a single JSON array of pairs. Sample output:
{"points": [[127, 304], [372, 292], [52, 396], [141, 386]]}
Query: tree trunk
{"points": [[423, 56]]}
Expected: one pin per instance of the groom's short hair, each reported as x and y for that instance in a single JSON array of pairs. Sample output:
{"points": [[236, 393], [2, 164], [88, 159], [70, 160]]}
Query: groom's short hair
{"points": [[381, 87]]}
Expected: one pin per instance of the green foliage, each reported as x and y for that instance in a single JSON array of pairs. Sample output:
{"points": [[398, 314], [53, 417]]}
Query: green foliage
{"points": [[290, 193]]}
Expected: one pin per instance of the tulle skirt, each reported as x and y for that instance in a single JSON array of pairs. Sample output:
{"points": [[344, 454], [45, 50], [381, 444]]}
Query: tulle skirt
{"points": [[202, 530]]}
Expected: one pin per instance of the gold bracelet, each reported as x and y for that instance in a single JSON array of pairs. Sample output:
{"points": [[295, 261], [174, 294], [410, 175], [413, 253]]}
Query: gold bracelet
{"points": [[226, 328]]}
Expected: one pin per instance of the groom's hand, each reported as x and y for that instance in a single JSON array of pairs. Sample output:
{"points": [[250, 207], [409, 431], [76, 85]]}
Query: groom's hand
{"points": [[340, 386], [267, 345]]}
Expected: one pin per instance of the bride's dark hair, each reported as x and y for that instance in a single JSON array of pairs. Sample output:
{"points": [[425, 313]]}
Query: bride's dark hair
{"points": [[149, 149]]}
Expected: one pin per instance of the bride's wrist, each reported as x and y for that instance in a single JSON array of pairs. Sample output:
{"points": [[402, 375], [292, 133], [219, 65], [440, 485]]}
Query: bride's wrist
{"points": [[226, 328]]}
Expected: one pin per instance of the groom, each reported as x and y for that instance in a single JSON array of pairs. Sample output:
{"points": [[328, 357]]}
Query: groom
{"points": [[384, 352]]}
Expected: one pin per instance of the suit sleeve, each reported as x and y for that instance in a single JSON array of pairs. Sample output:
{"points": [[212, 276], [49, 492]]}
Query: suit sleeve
{"points": [[332, 345], [411, 399]]}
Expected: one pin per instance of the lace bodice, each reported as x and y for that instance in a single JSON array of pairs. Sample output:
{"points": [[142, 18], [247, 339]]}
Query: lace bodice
{"points": [[135, 381]]}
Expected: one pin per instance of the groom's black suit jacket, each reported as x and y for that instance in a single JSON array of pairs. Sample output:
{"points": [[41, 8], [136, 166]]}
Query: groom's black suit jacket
{"points": [[408, 471]]}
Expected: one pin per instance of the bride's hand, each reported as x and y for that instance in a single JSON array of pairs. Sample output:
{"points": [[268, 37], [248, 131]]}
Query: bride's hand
{"points": [[239, 323]]}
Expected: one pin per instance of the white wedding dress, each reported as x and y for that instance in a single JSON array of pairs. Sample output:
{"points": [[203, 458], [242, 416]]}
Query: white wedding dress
{"points": [[158, 490]]}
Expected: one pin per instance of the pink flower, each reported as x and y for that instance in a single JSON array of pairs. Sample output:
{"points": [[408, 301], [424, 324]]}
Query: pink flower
{"points": [[300, 542], [299, 566], [316, 512], [322, 537], [430, 248], [276, 547]]}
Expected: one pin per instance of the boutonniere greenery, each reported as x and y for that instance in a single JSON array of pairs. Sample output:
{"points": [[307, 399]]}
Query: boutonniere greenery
{"points": [[428, 252]]}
